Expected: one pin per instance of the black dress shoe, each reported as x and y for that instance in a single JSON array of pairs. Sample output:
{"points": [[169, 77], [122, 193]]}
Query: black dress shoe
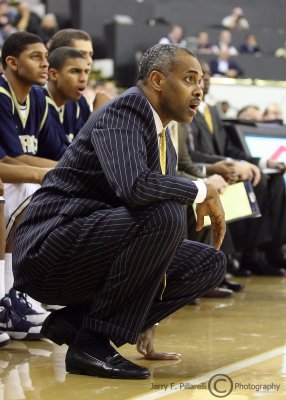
{"points": [[235, 268], [263, 268], [236, 287], [116, 366], [241, 272], [58, 329]]}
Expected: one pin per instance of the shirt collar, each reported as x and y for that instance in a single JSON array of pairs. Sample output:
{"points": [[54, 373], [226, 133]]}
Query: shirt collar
{"points": [[158, 122], [202, 107]]}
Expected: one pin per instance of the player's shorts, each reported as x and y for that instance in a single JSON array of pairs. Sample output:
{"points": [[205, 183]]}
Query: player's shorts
{"points": [[17, 197]]}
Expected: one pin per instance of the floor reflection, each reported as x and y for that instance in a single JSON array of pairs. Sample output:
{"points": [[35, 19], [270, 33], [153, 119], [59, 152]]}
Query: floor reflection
{"points": [[212, 336]]}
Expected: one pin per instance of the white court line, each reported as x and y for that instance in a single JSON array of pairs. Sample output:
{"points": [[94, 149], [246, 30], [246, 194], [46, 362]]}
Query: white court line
{"points": [[224, 370]]}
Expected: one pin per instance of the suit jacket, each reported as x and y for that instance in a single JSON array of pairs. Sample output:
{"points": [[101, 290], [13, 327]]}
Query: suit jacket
{"points": [[186, 167], [210, 148], [113, 162]]}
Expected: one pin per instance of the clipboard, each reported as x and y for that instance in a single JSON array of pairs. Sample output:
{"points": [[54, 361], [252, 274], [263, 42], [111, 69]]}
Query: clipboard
{"points": [[238, 201]]}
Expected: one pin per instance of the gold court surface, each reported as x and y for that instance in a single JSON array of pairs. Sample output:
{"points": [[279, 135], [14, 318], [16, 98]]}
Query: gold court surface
{"points": [[233, 348]]}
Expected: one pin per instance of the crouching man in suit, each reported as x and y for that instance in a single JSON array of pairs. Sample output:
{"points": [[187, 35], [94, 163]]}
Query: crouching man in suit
{"points": [[104, 234]]}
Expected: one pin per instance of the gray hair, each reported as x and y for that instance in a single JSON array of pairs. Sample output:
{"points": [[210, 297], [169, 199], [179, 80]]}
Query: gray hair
{"points": [[160, 58]]}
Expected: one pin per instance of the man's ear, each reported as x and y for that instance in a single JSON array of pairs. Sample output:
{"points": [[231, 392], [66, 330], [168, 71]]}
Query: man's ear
{"points": [[157, 80], [53, 74], [12, 63]]}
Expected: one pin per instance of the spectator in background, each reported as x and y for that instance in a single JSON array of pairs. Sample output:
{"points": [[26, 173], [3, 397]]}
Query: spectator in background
{"points": [[49, 26], [281, 51], [236, 20], [224, 66], [6, 19], [27, 20], [175, 36], [250, 46], [204, 46], [224, 43], [273, 112], [250, 113], [226, 110]]}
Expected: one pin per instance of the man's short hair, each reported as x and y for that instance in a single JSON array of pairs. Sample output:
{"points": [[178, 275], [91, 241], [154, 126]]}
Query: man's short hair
{"points": [[58, 57], [16, 43], [160, 58], [65, 37]]}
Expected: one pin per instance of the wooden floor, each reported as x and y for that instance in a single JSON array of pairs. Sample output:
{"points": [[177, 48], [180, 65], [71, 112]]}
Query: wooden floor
{"points": [[233, 348]]}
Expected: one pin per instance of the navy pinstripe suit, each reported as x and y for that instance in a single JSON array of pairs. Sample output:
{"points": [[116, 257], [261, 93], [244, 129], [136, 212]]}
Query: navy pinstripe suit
{"points": [[106, 225]]}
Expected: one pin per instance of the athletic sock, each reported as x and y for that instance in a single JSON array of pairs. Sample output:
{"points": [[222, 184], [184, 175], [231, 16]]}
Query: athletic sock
{"points": [[2, 279], [9, 277]]}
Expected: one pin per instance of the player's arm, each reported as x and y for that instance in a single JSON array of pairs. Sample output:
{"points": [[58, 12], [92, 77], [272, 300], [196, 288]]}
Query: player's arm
{"points": [[35, 161], [12, 173]]}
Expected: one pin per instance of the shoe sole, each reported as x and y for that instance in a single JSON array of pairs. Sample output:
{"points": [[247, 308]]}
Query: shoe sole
{"points": [[5, 342], [82, 371], [25, 335], [58, 330]]}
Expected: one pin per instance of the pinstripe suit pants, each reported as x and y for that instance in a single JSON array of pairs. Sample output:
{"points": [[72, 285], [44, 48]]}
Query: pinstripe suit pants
{"points": [[114, 260]]}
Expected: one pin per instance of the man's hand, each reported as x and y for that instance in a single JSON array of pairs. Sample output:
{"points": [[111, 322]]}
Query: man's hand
{"points": [[218, 182], [277, 165], [101, 97], [212, 207], [145, 346], [224, 168], [248, 171]]}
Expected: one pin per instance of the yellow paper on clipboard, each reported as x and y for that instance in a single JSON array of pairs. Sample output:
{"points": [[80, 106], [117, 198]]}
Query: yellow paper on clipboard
{"points": [[238, 201]]}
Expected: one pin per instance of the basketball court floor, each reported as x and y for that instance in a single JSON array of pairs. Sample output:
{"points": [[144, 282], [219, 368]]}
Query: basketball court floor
{"points": [[233, 348]]}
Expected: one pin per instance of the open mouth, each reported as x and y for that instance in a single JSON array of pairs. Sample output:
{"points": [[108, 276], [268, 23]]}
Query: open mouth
{"points": [[194, 107]]}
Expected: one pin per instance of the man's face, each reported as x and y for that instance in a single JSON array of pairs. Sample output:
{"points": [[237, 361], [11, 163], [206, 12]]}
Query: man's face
{"points": [[71, 79], [85, 48], [32, 64], [206, 78], [181, 91]]}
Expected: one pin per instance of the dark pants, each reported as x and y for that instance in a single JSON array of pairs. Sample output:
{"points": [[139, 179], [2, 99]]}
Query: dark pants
{"points": [[114, 260]]}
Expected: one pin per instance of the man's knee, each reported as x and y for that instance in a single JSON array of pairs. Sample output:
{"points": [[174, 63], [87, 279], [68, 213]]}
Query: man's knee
{"points": [[172, 218], [219, 261]]}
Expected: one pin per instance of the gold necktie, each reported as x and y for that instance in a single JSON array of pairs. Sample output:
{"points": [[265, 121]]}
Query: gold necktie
{"points": [[208, 119], [163, 149]]}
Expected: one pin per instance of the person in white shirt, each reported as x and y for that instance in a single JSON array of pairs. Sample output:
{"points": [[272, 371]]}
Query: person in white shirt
{"points": [[236, 20]]}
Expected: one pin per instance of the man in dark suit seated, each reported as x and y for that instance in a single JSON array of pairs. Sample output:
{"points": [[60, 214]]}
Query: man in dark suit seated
{"points": [[210, 144], [104, 234]]}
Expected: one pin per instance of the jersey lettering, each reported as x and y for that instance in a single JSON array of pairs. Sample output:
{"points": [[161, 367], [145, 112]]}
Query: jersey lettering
{"points": [[29, 144]]}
